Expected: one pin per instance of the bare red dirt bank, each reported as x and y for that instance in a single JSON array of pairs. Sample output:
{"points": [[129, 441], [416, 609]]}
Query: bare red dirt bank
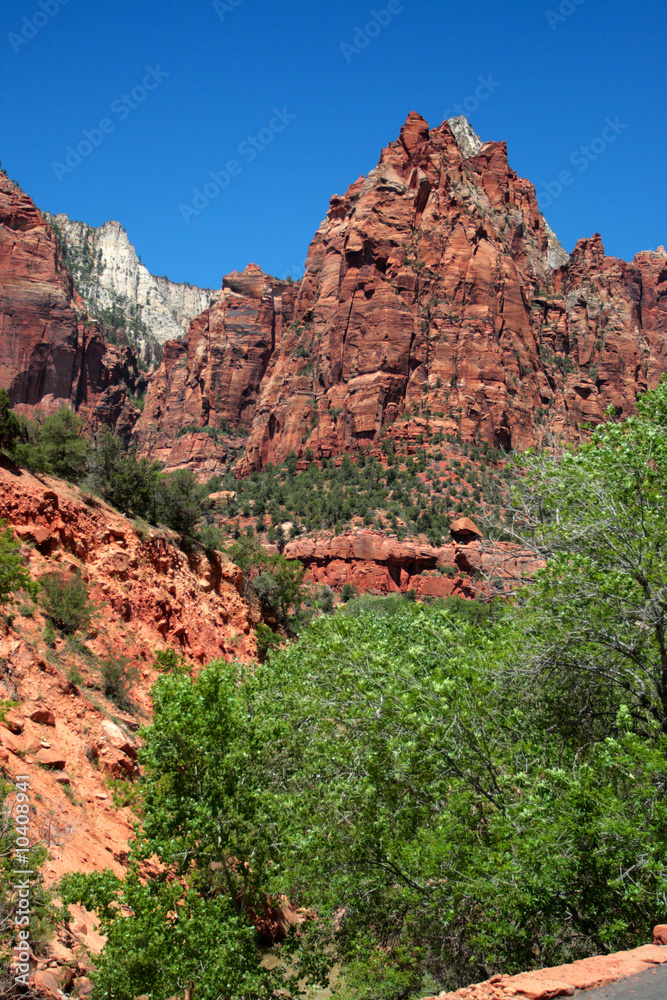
{"points": [[77, 747]]}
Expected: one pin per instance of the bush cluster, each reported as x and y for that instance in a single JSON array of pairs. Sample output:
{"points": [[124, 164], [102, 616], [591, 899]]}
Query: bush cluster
{"points": [[57, 445], [408, 494]]}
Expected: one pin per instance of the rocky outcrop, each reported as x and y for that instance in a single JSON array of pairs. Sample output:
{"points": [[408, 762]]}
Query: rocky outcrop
{"points": [[111, 278], [150, 597], [374, 562], [191, 602], [51, 354], [201, 402], [566, 980]]}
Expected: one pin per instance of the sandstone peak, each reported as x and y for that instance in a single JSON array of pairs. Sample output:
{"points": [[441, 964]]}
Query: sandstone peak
{"points": [[414, 134], [433, 286], [251, 282]]}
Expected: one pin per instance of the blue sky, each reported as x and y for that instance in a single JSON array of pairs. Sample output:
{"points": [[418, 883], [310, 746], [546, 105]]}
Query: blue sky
{"points": [[300, 103]]}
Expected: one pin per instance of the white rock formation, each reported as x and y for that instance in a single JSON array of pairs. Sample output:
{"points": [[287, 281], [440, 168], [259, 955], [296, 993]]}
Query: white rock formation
{"points": [[470, 144], [110, 277]]}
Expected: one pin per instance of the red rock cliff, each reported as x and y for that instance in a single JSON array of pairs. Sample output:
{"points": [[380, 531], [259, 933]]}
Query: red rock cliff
{"points": [[51, 355], [435, 285], [208, 385]]}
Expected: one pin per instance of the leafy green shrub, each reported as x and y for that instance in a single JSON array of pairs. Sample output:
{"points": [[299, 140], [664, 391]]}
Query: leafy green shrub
{"points": [[131, 486], [168, 661], [324, 599], [14, 577], [66, 602], [57, 447], [347, 592], [181, 502], [211, 537], [117, 678], [10, 427], [267, 640]]}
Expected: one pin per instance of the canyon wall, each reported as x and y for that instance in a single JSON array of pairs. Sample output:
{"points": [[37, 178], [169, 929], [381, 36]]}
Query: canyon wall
{"points": [[111, 279], [51, 353]]}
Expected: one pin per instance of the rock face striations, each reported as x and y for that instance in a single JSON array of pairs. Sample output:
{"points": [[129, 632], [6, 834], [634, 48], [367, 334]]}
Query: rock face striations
{"points": [[433, 288], [434, 285], [202, 401], [51, 354], [112, 280]]}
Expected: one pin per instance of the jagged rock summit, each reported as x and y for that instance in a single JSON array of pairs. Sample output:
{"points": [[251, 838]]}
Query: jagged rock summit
{"points": [[435, 295], [111, 279]]}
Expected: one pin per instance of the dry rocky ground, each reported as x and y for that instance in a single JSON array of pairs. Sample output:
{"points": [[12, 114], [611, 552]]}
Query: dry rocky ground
{"points": [[77, 747]]}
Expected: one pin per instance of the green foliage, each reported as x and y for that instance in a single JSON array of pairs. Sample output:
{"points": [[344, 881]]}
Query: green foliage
{"points": [[14, 577], [138, 488], [212, 821], [131, 486], [56, 446], [267, 641], [66, 602], [174, 936], [596, 616], [117, 679], [473, 841], [389, 768], [324, 599], [10, 426], [347, 592], [182, 502], [280, 589], [331, 496], [275, 581], [168, 660]]}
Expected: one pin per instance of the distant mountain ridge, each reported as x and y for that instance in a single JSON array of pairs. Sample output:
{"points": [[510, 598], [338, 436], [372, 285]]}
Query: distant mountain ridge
{"points": [[117, 288]]}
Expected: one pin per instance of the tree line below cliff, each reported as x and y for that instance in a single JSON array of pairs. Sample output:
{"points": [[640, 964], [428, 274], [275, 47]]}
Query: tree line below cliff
{"points": [[441, 793]]}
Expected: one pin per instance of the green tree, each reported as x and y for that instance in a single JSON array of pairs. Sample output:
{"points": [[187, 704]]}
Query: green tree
{"points": [[213, 819], [66, 602], [132, 486], [117, 679], [182, 502], [595, 619], [10, 427], [280, 589], [456, 832], [13, 574], [57, 446]]}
